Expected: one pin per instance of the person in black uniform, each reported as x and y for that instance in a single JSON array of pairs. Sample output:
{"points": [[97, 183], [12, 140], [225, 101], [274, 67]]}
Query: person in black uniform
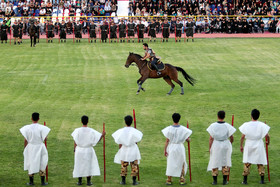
{"points": [[250, 26], [122, 31], [62, 34], [239, 26], [50, 31], [3, 31], [37, 28], [223, 25], [229, 26], [178, 27], [234, 25], [140, 29], [15, 29], [104, 32], [56, 25], [92, 31], [157, 22], [152, 30], [261, 24], [245, 25], [130, 30], [78, 31], [113, 32], [165, 30], [20, 31], [189, 29]]}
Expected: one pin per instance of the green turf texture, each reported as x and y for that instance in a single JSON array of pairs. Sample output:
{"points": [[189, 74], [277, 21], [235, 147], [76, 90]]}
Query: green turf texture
{"points": [[65, 81]]}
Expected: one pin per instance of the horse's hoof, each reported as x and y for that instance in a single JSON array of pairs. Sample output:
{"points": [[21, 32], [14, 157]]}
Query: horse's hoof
{"points": [[143, 89], [168, 94], [182, 93], [137, 93]]}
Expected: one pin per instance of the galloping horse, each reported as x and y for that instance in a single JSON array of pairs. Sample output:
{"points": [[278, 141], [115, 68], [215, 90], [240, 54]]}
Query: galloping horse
{"points": [[32, 34], [169, 73]]}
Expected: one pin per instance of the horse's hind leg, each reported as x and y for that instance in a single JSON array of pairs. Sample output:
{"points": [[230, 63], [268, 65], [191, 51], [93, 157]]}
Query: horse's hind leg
{"points": [[31, 41], [168, 80], [175, 78]]}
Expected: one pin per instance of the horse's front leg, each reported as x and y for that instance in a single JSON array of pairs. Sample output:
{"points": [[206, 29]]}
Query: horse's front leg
{"points": [[141, 81], [138, 82], [31, 40]]}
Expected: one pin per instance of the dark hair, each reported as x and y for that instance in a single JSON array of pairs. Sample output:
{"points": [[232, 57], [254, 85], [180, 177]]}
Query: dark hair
{"points": [[128, 120], [255, 114], [84, 120], [145, 44], [35, 116], [221, 114], [176, 117]]}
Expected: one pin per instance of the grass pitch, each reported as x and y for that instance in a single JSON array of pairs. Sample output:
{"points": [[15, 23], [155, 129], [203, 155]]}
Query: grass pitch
{"points": [[65, 81]]}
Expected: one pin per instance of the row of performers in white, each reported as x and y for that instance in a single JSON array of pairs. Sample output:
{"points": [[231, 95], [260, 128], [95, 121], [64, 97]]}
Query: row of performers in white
{"points": [[86, 163]]}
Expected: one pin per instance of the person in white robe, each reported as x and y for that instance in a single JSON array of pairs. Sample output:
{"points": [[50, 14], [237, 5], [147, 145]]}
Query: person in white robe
{"points": [[176, 135], [128, 153], [220, 147], [35, 152], [254, 152], [86, 163]]}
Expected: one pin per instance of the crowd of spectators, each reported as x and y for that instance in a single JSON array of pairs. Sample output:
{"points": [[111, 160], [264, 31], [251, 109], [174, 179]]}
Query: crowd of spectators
{"points": [[237, 25], [139, 7], [203, 7], [26, 8]]}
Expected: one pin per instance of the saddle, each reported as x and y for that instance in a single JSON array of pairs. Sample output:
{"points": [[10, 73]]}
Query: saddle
{"points": [[159, 64]]}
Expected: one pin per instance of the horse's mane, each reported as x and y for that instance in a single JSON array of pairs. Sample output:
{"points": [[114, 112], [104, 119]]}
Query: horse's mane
{"points": [[138, 56]]}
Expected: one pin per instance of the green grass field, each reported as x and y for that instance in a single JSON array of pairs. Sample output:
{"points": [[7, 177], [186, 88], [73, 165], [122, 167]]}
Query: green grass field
{"points": [[65, 81]]}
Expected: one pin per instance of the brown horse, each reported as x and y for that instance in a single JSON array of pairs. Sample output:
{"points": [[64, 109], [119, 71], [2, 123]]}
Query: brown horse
{"points": [[169, 73]]}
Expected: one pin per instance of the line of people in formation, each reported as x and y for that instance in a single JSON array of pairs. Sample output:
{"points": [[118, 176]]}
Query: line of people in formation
{"points": [[86, 163], [125, 30]]}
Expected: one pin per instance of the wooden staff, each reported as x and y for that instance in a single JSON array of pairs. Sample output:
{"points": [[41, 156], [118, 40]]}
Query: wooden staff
{"points": [[266, 146], [88, 36], [161, 33], [189, 152], [126, 33], [47, 168], [10, 35], [232, 122], [134, 119], [138, 32], [104, 154], [175, 34], [73, 34], [109, 31]]}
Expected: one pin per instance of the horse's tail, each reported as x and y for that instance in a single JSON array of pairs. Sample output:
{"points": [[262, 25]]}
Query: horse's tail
{"points": [[190, 79]]}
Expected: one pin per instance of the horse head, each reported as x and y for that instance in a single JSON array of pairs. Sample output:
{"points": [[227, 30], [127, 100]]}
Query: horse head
{"points": [[129, 60]]}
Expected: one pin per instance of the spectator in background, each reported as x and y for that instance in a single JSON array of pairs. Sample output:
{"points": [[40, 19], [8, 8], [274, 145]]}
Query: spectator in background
{"points": [[107, 8], [278, 26], [101, 12], [102, 2]]}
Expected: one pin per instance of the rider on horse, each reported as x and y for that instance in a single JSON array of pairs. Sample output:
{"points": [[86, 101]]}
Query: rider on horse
{"points": [[152, 56], [32, 21]]}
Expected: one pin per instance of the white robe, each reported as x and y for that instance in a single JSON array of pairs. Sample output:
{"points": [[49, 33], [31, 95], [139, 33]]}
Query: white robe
{"points": [[176, 158], [221, 149], [128, 137], [86, 163], [35, 153], [254, 151]]}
